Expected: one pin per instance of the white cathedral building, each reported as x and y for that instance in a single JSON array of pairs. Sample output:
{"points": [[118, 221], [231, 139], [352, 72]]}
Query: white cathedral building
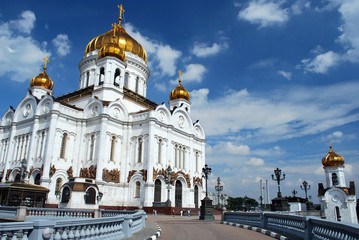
{"points": [[337, 200], [105, 144]]}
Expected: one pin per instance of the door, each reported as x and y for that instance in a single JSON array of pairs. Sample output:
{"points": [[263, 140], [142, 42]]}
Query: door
{"points": [[196, 196], [157, 197], [178, 194]]}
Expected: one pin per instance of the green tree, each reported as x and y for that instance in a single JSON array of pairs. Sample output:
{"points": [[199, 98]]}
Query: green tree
{"points": [[241, 203]]}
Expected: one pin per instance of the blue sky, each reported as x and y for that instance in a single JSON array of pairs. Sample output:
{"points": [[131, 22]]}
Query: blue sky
{"points": [[270, 81]]}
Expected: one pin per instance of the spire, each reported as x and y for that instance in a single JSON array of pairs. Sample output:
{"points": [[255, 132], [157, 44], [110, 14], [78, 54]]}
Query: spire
{"points": [[180, 74], [46, 61], [122, 10]]}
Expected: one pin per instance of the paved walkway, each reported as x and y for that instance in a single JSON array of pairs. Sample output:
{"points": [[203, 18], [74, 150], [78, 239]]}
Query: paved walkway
{"points": [[190, 228]]}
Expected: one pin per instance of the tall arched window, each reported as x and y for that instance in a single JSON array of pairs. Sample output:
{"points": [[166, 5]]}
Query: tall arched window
{"points": [[92, 146], [87, 78], [196, 161], [126, 80], [179, 157], [63, 145], [137, 84], [116, 79], [176, 148], [335, 179], [184, 157], [101, 76], [58, 185], [159, 150], [139, 157], [113, 145], [138, 190], [337, 211], [42, 143]]}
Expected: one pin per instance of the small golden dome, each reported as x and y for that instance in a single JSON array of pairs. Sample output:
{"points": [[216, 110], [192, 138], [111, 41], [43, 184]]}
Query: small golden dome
{"points": [[180, 92], [42, 80], [112, 49], [122, 38], [332, 159]]}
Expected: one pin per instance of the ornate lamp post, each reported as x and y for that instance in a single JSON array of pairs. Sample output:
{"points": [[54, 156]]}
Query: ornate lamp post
{"points": [[168, 181], [23, 169], [206, 207], [218, 188], [278, 173], [294, 192], [205, 172], [305, 187]]}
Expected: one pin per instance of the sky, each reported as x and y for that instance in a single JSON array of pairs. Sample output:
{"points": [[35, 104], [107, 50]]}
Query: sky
{"points": [[270, 81]]}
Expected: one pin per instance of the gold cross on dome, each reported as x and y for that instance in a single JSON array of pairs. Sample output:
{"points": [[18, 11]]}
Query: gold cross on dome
{"points": [[46, 61], [114, 25], [122, 10], [180, 74]]}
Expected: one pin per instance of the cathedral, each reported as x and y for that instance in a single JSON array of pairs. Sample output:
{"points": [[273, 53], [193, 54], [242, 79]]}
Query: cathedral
{"points": [[105, 144], [337, 200]]}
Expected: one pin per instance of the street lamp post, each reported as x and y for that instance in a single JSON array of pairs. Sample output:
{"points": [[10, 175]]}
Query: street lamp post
{"points": [[278, 173], [205, 172], [294, 192], [168, 180], [218, 188], [305, 187]]}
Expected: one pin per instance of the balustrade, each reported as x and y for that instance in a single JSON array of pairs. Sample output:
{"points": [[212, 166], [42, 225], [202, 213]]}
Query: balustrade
{"points": [[296, 227]]}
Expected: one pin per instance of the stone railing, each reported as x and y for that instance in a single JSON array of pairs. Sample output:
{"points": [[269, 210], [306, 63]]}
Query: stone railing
{"points": [[295, 227], [117, 227], [112, 213], [56, 213]]}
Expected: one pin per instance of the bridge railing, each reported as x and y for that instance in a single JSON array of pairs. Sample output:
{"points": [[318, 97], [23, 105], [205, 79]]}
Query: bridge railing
{"points": [[116, 227], [295, 227]]}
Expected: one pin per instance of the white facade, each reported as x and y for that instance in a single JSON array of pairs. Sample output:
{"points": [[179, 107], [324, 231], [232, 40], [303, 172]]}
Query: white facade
{"points": [[107, 131], [337, 200]]}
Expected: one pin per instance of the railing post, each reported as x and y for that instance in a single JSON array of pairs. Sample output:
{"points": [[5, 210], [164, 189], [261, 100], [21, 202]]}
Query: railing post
{"points": [[126, 225], [98, 213], [308, 229], [21, 213], [264, 220], [143, 218], [42, 230]]}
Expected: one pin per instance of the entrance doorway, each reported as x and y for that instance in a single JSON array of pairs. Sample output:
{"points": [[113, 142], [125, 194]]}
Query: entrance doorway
{"points": [[178, 194], [157, 197], [196, 196]]}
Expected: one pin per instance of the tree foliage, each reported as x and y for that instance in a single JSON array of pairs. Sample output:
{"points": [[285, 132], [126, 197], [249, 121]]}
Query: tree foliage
{"points": [[241, 203]]}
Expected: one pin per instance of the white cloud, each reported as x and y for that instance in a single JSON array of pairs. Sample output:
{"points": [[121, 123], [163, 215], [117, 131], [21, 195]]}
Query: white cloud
{"points": [[336, 136], [25, 23], [322, 62], [204, 50], [194, 73], [287, 75], [21, 56], [255, 162], [163, 58], [295, 111], [62, 44], [264, 13]]}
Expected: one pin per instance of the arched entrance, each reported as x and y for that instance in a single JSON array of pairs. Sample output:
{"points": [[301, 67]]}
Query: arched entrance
{"points": [[178, 194], [196, 196], [157, 197], [37, 179]]}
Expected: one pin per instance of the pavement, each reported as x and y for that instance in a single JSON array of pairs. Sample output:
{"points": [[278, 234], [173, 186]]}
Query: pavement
{"points": [[184, 227]]}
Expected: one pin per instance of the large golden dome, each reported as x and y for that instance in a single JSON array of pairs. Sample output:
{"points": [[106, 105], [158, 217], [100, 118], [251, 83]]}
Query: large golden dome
{"points": [[332, 159], [112, 49], [122, 38], [42, 80]]}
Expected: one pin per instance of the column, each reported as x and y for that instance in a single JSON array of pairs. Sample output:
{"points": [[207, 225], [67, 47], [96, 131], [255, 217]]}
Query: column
{"points": [[150, 158], [33, 147], [45, 180], [100, 156], [10, 153]]}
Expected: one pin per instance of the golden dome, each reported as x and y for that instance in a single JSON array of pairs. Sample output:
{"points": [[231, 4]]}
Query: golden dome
{"points": [[332, 159], [180, 92], [42, 80], [112, 49], [122, 38]]}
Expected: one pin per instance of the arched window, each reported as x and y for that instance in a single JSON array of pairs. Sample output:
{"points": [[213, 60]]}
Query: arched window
{"points": [[137, 84], [65, 195], [42, 143], [112, 153], [157, 196], [159, 150], [58, 185], [179, 157], [126, 80], [87, 78], [139, 157], [184, 157], [176, 148], [116, 79], [90, 196], [92, 146], [37, 179], [138, 190], [335, 179], [101, 76], [196, 161], [63, 145], [17, 177], [337, 211]]}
